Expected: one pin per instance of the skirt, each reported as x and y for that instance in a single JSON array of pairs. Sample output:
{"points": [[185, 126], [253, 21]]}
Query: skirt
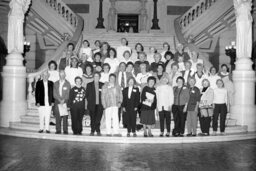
{"points": [[147, 117]]}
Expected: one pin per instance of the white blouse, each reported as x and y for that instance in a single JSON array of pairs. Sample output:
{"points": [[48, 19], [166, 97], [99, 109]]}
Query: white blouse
{"points": [[220, 96], [88, 52], [120, 51]]}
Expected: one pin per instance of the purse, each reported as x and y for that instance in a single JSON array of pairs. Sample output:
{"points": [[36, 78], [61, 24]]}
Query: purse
{"points": [[206, 112]]}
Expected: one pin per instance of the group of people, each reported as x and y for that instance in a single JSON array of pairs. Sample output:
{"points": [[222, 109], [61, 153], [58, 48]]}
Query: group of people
{"points": [[123, 84]]}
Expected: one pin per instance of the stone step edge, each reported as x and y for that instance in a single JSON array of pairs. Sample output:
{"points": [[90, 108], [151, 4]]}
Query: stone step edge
{"points": [[128, 140], [123, 131]]}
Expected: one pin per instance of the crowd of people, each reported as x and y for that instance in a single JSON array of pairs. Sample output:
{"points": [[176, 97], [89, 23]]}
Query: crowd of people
{"points": [[129, 85]]}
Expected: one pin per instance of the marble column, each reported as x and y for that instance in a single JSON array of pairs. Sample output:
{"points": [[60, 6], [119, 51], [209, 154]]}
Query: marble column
{"points": [[100, 19], [243, 108], [155, 20], [14, 103]]}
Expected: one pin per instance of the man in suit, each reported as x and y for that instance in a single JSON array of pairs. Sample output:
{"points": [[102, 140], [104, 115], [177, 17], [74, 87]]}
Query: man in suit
{"points": [[61, 96], [131, 101], [122, 77], [93, 96], [44, 101], [188, 72]]}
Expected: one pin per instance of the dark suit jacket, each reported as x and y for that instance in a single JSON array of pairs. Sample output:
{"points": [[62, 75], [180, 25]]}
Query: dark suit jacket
{"points": [[134, 101], [91, 95], [65, 92], [39, 93]]}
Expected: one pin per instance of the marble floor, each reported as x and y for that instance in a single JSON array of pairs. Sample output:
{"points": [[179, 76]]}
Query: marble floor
{"points": [[37, 154]]}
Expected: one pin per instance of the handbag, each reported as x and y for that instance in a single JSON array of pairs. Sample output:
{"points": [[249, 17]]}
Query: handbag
{"points": [[206, 110]]}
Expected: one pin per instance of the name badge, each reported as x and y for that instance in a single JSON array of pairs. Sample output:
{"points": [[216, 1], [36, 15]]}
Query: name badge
{"points": [[65, 88], [99, 89], [193, 91], [134, 90]]}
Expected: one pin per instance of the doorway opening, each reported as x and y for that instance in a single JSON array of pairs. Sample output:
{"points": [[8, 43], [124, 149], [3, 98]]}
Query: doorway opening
{"points": [[128, 23]]}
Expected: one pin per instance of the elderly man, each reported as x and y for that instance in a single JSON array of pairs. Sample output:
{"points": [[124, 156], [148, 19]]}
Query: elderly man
{"points": [[44, 101], [61, 96]]}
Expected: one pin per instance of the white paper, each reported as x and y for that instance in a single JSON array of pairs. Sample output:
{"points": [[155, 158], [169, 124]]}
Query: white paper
{"points": [[149, 96], [63, 110]]}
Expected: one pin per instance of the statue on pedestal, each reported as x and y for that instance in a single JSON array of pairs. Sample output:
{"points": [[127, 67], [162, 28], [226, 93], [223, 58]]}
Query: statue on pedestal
{"points": [[243, 28], [111, 19], [112, 16], [144, 20], [18, 8]]}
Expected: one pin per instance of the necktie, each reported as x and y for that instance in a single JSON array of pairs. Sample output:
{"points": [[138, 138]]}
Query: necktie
{"points": [[122, 80]]}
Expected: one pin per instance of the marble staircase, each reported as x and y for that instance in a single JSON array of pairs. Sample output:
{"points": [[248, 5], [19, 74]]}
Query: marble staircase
{"points": [[146, 39], [30, 122]]}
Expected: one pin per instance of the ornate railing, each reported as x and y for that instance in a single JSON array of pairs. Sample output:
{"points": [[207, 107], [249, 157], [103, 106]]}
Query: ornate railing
{"points": [[64, 11], [194, 12], [78, 23]]}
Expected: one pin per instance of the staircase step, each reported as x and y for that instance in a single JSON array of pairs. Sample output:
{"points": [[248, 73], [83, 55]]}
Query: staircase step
{"points": [[123, 131]]}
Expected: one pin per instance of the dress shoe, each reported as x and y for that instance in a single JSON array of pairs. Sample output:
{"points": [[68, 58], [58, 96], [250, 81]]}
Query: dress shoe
{"points": [[58, 132], [51, 123], [40, 131], [167, 134], [162, 134], [47, 131], [222, 133], [181, 135], [98, 134], [134, 135], [65, 133], [109, 135], [145, 135], [201, 134], [189, 135], [128, 135], [151, 135], [91, 134], [193, 135]]}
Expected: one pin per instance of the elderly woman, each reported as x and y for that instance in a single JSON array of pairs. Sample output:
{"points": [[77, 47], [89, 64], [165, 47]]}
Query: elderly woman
{"points": [[73, 71], [142, 77], [164, 94], [179, 108], [220, 105], [53, 72], [193, 104], [206, 107]]}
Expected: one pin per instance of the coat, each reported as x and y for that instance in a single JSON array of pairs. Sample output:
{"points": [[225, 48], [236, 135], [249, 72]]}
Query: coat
{"points": [[134, 101], [39, 93], [91, 95]]}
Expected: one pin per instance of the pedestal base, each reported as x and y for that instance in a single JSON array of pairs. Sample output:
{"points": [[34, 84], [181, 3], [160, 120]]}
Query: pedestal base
{"points": [[155, 31], [245, 115], [100, 30], [14, 102], [244, 109]]}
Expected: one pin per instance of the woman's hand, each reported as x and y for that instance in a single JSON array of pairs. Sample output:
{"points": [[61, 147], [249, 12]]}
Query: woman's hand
{"points": [[185, 109]]}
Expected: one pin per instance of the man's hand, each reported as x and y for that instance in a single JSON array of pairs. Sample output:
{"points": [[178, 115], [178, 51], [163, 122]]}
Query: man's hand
{"points": [[135, 109], [124, 110]]}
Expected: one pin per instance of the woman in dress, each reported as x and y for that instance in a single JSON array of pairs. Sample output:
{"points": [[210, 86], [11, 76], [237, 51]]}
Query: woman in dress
{"points": [[86, 50], [73, 71], [148, 106], [206, 108], [112, 60], [142, 77], [87, 75], [54, 74], [77, 106]]}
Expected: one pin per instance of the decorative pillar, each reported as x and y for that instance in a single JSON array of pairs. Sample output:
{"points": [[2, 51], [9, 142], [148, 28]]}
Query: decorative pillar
{"points": [[14, 103], [155, 20], [100, 19], [143, 17], [112, 16], [244, 109]]}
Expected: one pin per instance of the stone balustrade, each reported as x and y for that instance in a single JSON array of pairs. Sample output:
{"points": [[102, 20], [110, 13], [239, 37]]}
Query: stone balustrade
{"points": [[194, 12], [64, 11]]}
